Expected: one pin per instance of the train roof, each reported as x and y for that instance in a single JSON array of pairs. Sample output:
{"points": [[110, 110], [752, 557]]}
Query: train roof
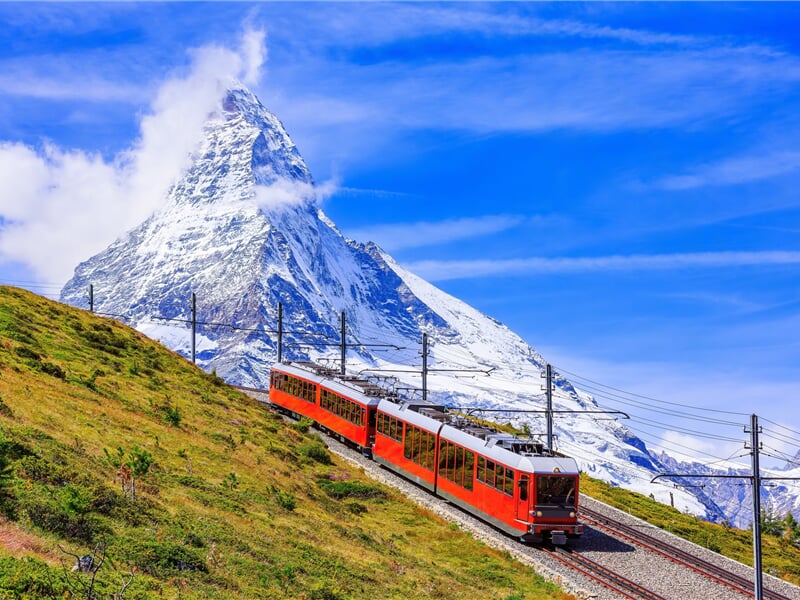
{"points": [[356, 389], [428, 417], [511, 451]]}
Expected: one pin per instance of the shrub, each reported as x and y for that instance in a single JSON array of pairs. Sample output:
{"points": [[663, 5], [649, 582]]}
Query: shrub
{"points": [[356, 508], [171, 414], [53, 369], [154, 557], [25, 352], [29, 578], [351, 489], [303, 425], [285, 500], [63, 511], [316, 451]]}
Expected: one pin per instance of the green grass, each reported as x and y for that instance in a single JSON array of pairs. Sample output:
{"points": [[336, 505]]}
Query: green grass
{"points": [[235, 503], [779, 556]]}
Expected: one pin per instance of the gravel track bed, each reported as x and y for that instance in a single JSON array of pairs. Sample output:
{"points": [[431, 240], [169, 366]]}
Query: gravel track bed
{"points": [[770, 582]]}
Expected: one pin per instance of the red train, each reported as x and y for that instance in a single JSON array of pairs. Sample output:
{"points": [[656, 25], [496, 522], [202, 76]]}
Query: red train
{"points": [[518, 486]]}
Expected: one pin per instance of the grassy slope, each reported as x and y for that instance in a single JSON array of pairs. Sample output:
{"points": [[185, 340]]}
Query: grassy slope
{"points": [[779, 557], [236, 504]]}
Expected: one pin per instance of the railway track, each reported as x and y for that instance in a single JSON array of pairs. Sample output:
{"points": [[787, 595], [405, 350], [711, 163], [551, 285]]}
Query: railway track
{"points": [[686, 559], [612, 580]]}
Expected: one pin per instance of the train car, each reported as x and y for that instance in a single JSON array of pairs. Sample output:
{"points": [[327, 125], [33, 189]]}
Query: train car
{"points": [[511, 483], [343, 410], [516, 485]]}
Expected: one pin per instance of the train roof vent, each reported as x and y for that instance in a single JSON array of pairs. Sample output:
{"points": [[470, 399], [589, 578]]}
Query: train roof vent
{"points": [[432, 411], [367, 388]]}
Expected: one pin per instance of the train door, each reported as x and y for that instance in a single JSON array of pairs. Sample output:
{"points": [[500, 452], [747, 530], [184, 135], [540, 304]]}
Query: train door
{"points": [[371, 419], [523, 497]]}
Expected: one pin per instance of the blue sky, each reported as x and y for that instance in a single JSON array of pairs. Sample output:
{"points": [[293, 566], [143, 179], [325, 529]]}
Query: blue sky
{"points": [[616, 182]]}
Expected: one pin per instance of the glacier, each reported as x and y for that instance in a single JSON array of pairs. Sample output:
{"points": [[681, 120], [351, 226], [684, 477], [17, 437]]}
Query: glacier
{"points": [[242, 230]]}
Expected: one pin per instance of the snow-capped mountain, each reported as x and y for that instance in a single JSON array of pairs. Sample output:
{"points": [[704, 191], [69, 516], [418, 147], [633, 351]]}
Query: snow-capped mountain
{"points": [[241, 230]]}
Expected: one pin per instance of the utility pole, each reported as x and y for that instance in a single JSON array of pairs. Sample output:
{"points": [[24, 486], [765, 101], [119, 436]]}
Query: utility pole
{"points": [[280, 332], [755, 479], [755, 451], [424, 367], [91, 298], [549, 411], [344, 344], [194, 325]]}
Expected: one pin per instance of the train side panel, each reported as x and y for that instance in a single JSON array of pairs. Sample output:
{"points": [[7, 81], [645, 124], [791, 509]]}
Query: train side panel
{"points": [[405, 442], [463, 480]]}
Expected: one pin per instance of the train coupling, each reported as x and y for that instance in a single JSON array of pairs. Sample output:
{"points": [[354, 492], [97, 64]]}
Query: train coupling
{"points": [[558, 538]]}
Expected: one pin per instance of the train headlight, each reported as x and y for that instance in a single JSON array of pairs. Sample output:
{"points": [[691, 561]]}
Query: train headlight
{"points": [[538, 513], [572, 514]]}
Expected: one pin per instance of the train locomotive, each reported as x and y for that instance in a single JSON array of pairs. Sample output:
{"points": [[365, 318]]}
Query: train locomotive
{"points": [[516, 485]]}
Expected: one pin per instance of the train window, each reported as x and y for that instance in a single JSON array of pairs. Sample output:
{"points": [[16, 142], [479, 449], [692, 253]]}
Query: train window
{"points": [[481, 469], [490, 479], [558, 490], [508, 485], [499, 473], [458, 465], [469, 470], [523, 487], [443, 458], [430, 450], [411, 445]]}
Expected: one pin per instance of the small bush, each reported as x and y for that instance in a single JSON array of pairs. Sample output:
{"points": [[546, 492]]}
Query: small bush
{"points": [[25, 352], [226, 439], [171, 414], [5, 409], [29, 578], [351, 489], [303, 425], [53, 369], [356, 508], [316, 451], [285, 500], [155, 557], [63, 512], [214, 379]]}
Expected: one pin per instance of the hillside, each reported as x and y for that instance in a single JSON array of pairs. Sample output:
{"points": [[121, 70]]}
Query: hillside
{"points": [[181, 487]]}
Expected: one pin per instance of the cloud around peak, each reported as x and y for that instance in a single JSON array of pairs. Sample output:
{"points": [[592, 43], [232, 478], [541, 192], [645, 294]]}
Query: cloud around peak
{"points": [[59, 206]]}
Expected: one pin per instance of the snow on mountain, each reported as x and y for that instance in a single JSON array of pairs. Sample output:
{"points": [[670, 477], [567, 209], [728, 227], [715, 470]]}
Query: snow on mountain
{"points": [[241, 229]]}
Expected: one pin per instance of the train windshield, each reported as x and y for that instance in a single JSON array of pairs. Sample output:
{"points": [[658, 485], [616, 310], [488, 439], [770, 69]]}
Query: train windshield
{"points": [[555, 490]]}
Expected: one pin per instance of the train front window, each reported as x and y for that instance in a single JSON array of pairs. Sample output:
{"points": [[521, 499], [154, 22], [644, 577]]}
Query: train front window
{"points": [[555, 490]]}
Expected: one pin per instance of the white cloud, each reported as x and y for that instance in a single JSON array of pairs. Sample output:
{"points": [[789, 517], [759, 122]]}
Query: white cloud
{"points": [[285, 193], [254, 53], [734, 170], [396, 236], [441, 270], [59, 207]]}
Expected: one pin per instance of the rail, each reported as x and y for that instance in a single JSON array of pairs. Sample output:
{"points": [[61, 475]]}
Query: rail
{"points": [[612, 580], [677, 555]]}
